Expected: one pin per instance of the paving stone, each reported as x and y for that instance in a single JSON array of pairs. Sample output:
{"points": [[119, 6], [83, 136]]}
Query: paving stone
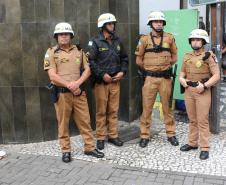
{"points": [[178, 182], [164, 180], [214, 181], [188, 180], [129, 176]]}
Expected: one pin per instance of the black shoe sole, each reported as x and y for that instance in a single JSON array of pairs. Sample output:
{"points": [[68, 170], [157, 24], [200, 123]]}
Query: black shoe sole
{"points": [[143, 146], [115, 144], [203, 158], [96, 156], [189, 149], [66, 161], [174, 144], [206, 157]]}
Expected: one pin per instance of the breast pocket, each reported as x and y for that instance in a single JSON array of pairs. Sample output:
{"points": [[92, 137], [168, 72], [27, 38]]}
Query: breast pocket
{"points": [[104, 54], [63, 65]]}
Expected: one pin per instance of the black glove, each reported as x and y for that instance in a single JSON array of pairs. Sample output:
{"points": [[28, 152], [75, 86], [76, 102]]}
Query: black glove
{"points": [[206, 56]]}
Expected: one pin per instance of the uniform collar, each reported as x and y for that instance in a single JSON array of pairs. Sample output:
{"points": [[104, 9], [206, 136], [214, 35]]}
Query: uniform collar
{"points": [[155, 34], [70, 48]]}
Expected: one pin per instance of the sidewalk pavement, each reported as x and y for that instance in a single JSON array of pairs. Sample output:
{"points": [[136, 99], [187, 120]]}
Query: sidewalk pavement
{"points": [[159, 163]]}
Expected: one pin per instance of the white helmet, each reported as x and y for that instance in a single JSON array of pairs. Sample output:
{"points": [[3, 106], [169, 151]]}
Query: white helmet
{"points": [[63, 27], [156, 16], [199, 34], [105, 18]]}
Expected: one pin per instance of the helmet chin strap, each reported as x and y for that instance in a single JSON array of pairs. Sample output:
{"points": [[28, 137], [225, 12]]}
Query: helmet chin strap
{"points": [[160, 30], [108, 31], [196, 48]]}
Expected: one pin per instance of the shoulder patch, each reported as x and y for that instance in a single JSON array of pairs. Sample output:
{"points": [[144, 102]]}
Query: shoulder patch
{"points": [[90, 43], [46, 55], [46, 63], [118, 48], [48, 52], [87, 54]]}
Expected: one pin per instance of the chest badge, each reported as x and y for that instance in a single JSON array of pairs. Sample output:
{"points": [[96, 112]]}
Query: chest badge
{"points": [[77, 60], [165, 45], [198, 64]]}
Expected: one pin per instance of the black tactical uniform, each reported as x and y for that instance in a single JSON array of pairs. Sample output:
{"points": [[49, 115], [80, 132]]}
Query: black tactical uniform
{"points": [[106, 58]]}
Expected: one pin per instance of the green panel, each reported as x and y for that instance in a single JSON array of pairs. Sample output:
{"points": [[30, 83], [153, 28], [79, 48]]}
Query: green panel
{"points": [[180, 23]]}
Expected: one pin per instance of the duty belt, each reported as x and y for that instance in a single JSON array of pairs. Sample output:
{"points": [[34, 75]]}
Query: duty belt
{"points": [[160, 74], [62, 90], [192, 84], [66, 90], [195, 84]]}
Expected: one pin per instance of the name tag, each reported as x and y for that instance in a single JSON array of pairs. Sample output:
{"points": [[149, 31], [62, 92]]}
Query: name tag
{"points": [[103, 49]]}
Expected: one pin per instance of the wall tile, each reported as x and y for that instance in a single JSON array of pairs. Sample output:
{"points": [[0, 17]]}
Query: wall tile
{"points": [[42, 10], [6, 115], [27, 10]]}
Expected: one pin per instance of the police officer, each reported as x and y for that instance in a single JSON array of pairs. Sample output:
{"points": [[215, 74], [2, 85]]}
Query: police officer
{"points": [[109, 63], [156, 53], [63, 63], [199, 72]]}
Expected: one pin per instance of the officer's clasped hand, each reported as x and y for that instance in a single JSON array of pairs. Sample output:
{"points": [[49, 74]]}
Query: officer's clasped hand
{"points": [[107, 78], [77, 92], [73, 85], [200, 88], [117, 77]]}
